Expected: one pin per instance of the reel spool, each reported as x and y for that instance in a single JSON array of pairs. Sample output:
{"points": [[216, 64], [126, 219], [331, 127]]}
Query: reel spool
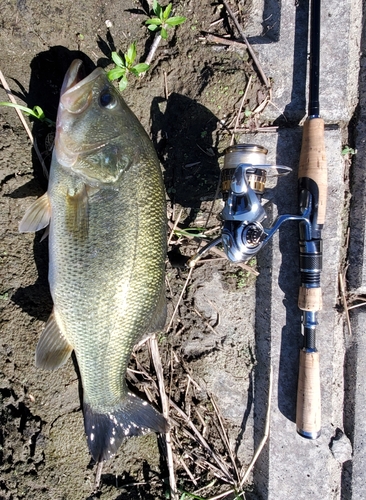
{"points": [[250, 154]]}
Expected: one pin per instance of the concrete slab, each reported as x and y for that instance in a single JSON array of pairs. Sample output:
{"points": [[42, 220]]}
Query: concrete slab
{"points": [[355, 368], [291, 467], [289, 460], [282, 50], [355, 405]]}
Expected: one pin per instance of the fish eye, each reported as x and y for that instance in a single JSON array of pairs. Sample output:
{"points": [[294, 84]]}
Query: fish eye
{"points": [[107, 100]]}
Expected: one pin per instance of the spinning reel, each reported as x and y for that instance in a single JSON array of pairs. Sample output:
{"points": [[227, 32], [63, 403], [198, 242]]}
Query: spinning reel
{"points": [[242, 184]]}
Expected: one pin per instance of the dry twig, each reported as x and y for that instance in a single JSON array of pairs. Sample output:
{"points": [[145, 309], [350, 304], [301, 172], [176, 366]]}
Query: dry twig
{"points": [[153, 48], [245, 40], [258, 129], [188, 472], [344, 300], [241, 107], [266, 431], [363, 302], [179, 299], [98, 475], [209, 37], [206, 323], [165, 405], [176, 222], [24, 123], [225, 437], [223, 471], [220, 253]]}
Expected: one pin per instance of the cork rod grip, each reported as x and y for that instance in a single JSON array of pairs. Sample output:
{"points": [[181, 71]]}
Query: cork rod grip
{"points": [[308, 417], [313, 163], [310, 299]]}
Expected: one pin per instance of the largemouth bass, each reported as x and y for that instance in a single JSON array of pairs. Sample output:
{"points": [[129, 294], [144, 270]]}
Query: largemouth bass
{"points": [[105, 207]]}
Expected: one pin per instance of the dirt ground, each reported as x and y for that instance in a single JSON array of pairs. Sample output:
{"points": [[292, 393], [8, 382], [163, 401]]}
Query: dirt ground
{"points": [[187, 102]]}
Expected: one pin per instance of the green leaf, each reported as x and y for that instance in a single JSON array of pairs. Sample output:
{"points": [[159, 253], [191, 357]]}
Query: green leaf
{"points": [[141, 68], [167, 11], [164, 33], [154, 20], [174, 21], [157, 9], [26, 110], [153, 27], [130, 55], [348, 151], [123, 83], [197, 232], [115, 73], [38, 113], [118, 61]]}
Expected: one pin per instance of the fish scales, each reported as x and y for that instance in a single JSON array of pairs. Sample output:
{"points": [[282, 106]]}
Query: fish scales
{"points": [[106, 296], [107, 247]]}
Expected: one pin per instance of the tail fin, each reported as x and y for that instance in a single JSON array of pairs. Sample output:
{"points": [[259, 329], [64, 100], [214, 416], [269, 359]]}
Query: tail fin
{"points": [[106, 431]]}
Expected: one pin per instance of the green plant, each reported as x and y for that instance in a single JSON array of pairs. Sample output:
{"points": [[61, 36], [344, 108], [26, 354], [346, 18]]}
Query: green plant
{"points": [[196, 232], [242, 278], [163, 21], [125, 65], [348, 151], [37, 112]]}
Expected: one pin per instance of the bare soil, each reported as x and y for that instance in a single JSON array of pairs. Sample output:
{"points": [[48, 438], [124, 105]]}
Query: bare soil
{"points": [[187, 101]]}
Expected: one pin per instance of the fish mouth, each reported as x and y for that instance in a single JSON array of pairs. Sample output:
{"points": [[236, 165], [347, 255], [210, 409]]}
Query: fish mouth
{"points": [[74, 75], [76, 90], [76, 95]]}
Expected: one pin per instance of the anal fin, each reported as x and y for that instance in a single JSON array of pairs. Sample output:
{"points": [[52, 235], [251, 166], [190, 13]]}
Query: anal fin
{"points": [[37, 216], [53, 348]]}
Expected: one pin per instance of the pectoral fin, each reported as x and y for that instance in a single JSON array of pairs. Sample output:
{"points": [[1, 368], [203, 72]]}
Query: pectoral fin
{"points": [[53, 348], [77, 210], [37, 216]]}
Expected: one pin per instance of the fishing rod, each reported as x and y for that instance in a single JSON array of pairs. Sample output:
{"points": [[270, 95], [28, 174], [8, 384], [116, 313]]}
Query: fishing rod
{"points": [[244, 233], [312, 184]]}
